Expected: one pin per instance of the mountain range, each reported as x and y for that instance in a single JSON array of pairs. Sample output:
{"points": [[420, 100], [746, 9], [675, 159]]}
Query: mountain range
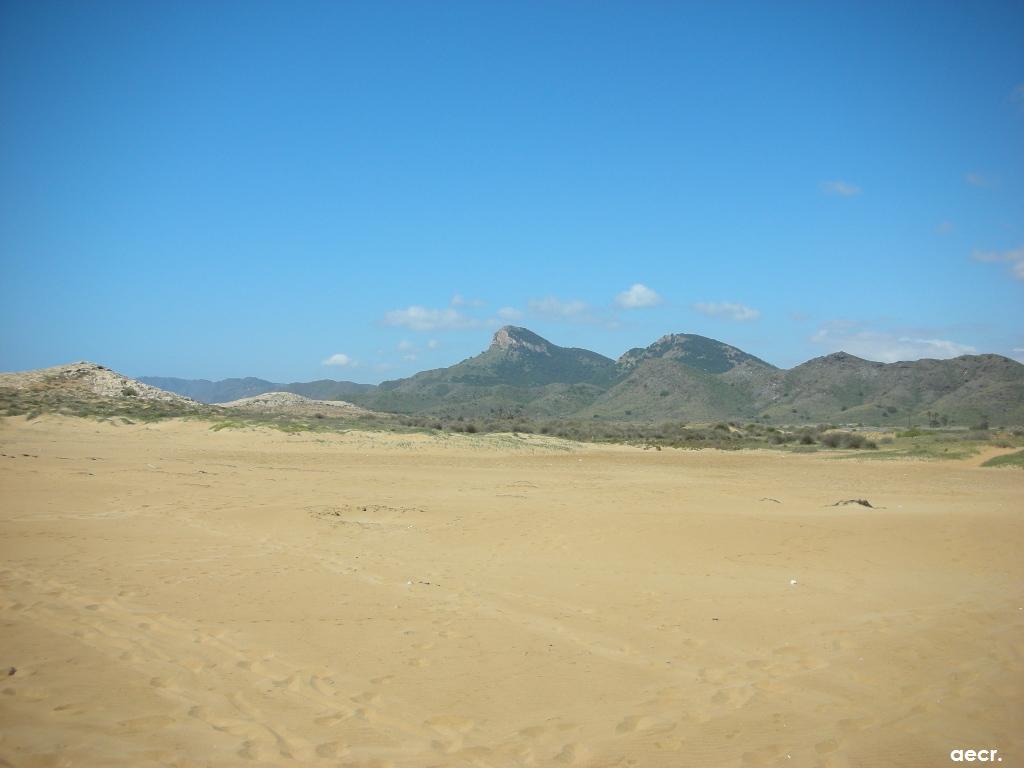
{"points": [[679, 377]]}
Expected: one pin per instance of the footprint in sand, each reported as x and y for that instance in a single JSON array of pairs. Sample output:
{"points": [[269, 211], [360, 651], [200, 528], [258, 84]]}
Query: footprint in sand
{"points": [[69, 709], [635, 723], [475, 755], [827, 746], [572, 754], [251, 750], [714, 676], [855, 724], [325, 686], [534, 731], [669, 745], [446, 746], [369, 715], [144, 724], [733, 697], [331, 720], [762, 756], [27, 694], [450, 724], [331, 749]]}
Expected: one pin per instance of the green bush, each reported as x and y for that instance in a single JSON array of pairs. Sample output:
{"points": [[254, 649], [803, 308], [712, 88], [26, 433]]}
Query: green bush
{"points": [[831, 440]]}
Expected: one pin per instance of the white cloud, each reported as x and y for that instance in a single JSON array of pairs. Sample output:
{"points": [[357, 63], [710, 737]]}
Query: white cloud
{"points": [[340, 360], [727, 309], [1017, 254], [977, 179], [945, 228], [417, 318], [510, 313], [458, 300], [551, 306], [1015, 258], [840, 188], [433, 344], [638, 295], [411, 357], [405, 345], [886, 347]]}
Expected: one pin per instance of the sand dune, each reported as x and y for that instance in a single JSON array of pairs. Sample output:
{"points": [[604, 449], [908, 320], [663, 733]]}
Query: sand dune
{"points": [[289, 402], [180, 597]]}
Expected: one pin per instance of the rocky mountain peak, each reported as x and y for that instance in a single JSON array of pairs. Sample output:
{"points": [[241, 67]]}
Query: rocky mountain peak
{"points": [[512, 337]]}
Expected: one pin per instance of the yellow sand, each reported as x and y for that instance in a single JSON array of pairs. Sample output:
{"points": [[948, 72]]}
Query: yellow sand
{"points": [[171, 595]]}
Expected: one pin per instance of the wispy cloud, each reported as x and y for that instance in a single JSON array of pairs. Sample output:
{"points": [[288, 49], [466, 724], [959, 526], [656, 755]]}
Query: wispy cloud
{"points": [[1017, 96], [945, 228], [840, 188], [1017, 254], [510, 313], [458, 300], [638, 296], [417, 318], [885, 346], [433, 344], [553, 307], [727, 309], [977, 179], [340, 360], [1015, 258]]}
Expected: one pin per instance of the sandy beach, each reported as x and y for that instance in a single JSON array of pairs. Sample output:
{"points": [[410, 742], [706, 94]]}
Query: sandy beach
{"points": [[176, 596]]}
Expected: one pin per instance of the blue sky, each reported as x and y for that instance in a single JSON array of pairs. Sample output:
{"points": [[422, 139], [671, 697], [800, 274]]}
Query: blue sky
{"points": [[363, 190]]}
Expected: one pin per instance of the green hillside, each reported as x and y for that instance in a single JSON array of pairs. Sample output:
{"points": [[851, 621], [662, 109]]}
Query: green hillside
{"points": [[691, 350], [520, 371], [848, 389]]}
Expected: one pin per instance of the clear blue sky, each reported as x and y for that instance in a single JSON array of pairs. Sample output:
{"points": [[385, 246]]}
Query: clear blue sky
{"points": [[213, 189]]}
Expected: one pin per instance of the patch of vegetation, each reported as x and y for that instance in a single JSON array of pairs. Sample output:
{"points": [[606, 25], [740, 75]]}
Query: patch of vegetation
{"points": [[854, 440], [228, 424], [1007, 460], [944, 443], [34, 402]]}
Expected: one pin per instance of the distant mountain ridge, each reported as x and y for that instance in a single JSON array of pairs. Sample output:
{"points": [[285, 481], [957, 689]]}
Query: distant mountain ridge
{"points": [[227, 390], [678, 377]]}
